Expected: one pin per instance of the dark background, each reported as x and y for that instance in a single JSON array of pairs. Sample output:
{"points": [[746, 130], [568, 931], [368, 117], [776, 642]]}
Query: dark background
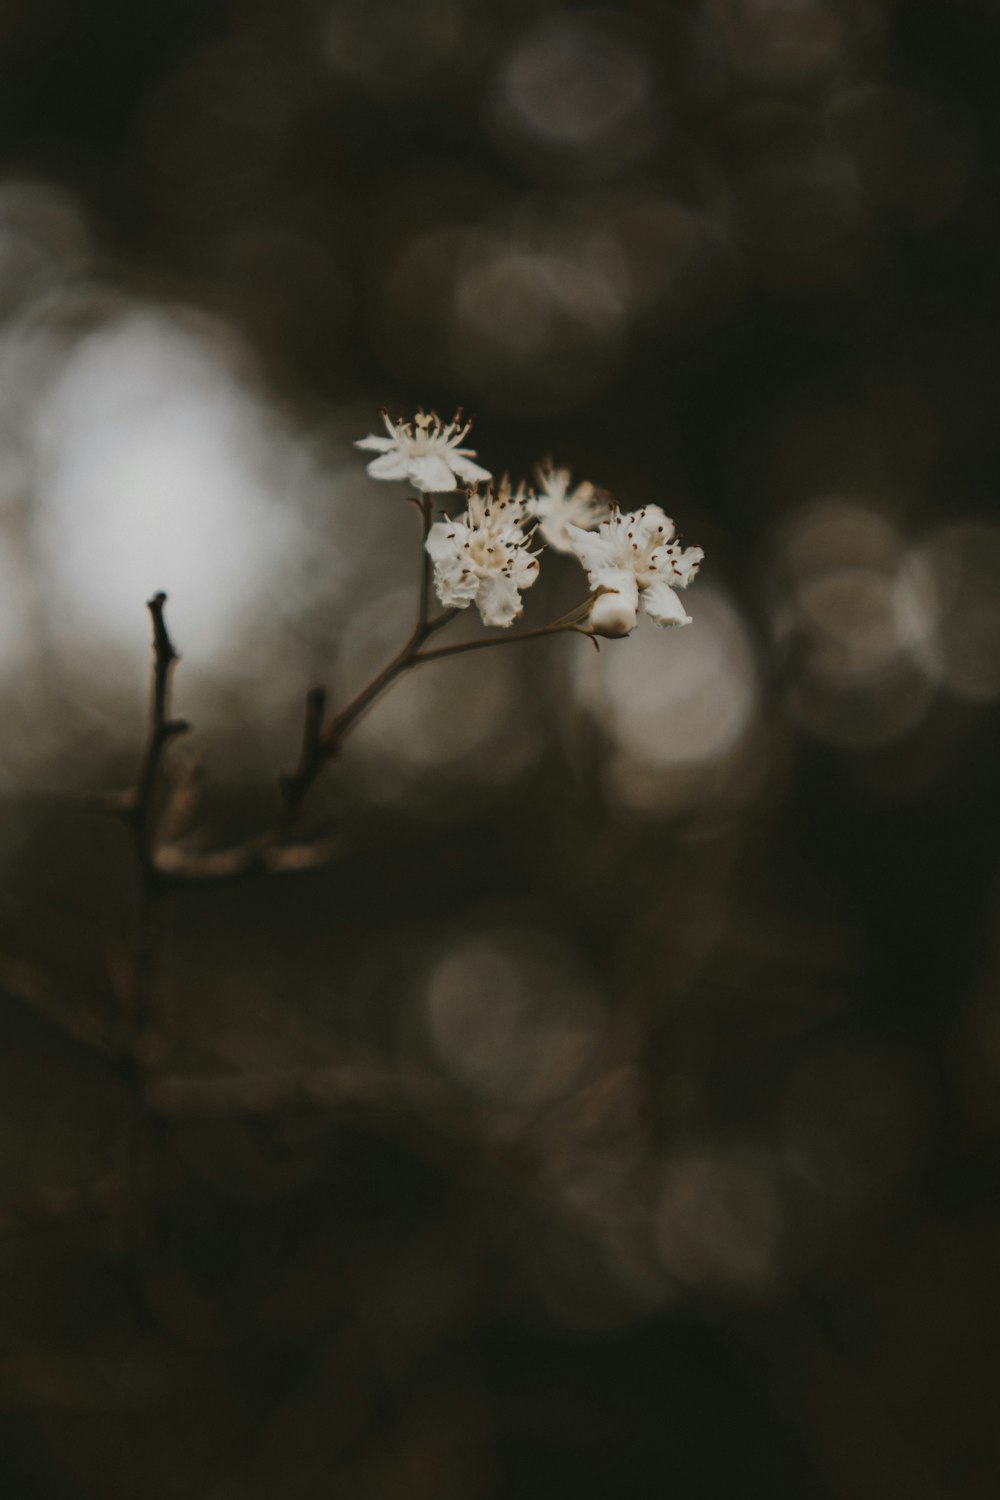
{"points": [[616, 1112]]}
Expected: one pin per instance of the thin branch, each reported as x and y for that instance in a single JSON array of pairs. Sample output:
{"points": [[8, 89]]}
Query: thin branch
{"points": [[412, 655], [426, 517], [321, 742], [350, 1088], [439, 621], [439, 652], [141, 812], [312, 758], [171, 867], [162, 729], [271, 853], [336, 730]]}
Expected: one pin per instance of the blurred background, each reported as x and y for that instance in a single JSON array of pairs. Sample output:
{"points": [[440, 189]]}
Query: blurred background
{"points": [[618, 1115]]}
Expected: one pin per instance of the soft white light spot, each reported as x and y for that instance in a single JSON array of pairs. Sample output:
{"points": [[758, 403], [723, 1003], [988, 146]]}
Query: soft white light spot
{"points": [[505, 301], [675, 698], [954, 577], [571, 83], [853, 622], [833, 533], [43, 240], [158, 470], [16, 636], [512, 1016], [853, 609], [719, 1220], [781, 41]]}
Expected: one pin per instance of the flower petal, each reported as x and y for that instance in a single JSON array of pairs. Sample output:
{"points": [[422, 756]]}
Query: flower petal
{"points": [[595, 549], [619, 581], [523, 569], [652, 522], [375, 444], [391, 465], [554, 485], [446, 539], [466, 469], [455, 588], [556, 533], [499, 601], [686, 566], [662, 605], [430, 474]]}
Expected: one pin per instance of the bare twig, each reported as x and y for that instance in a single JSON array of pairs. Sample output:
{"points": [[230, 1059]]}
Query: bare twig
{"points": [[336, 730], [162, 729], [312, 758], [272, 853], [423, 606], [170, 867], [140, 810], [460, 647]]}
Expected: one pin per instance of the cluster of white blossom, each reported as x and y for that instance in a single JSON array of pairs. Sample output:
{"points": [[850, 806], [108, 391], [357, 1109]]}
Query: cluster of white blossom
{"points": [[560, 509], [483, 556]]}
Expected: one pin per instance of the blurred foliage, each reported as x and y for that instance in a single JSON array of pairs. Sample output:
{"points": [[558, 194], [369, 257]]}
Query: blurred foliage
{"points": [[618, 1116]]}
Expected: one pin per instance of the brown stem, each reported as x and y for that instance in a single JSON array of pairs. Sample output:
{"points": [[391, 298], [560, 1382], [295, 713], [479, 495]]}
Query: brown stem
{"points": [[426, 516], [335, 732], [141, 811], [312, 758], [321, 742], [555, 628], [412, 655], [162, 729], [272, 853]]}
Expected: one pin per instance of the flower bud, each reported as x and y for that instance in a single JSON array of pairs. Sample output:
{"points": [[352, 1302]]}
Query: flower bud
{"points": [[612, 615]]}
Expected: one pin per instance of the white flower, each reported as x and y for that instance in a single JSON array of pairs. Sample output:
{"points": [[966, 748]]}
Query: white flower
{"points": [[425, 452], [483, 556], [558, 508], [633, 557]]}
